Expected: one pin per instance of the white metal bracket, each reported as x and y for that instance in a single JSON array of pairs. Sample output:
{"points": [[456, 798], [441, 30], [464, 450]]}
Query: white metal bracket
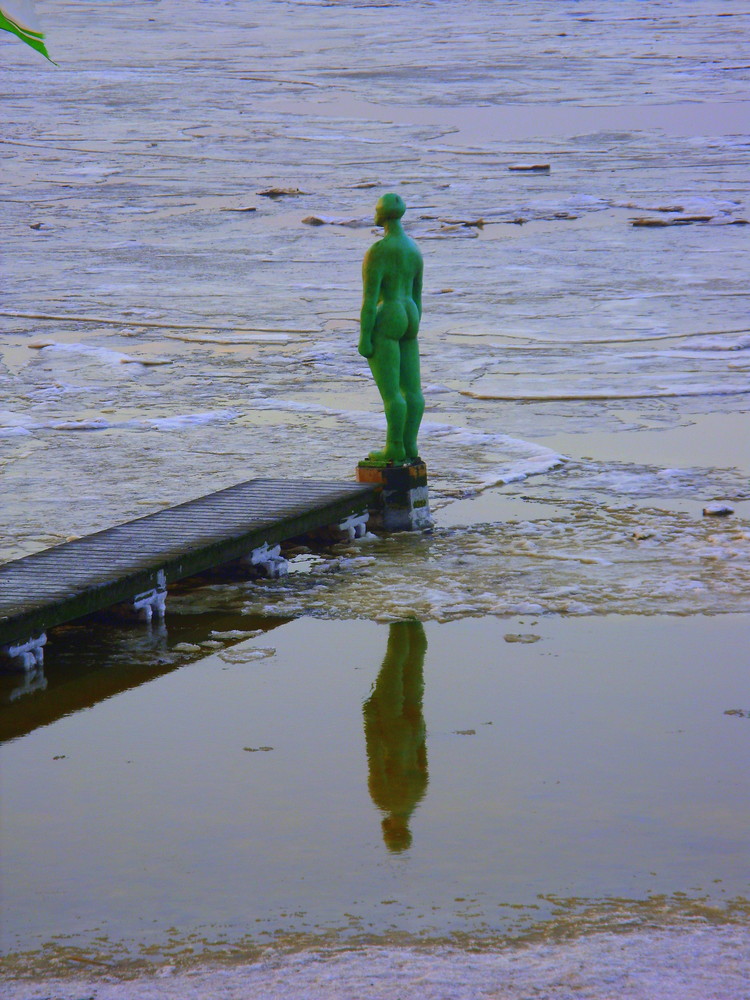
{"points": [[152, 601], [27, 655], [355, 526], [269, 561]]}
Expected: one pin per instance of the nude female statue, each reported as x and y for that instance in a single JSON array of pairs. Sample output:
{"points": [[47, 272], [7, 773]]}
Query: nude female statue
{"points": [[389, 323]]}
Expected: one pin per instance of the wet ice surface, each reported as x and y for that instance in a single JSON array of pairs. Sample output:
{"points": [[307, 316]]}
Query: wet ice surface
{"points": [[125, 162], [600, 560], [692, 965], [586, 380]]}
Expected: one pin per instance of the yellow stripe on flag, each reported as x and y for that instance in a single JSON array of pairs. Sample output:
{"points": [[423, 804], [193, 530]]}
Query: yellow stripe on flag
{"points": [[19, 17]]}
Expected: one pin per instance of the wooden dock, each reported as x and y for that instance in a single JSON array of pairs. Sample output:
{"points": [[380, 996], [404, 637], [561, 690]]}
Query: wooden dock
{"points": [[136, 561]]}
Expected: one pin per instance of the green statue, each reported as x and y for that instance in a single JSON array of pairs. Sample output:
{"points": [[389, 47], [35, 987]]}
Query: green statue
{"points": [[395, 733], [389, 323]]}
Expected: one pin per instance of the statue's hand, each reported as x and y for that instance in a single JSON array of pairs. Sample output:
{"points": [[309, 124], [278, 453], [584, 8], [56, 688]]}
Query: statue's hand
{"points": [[365, 348]]}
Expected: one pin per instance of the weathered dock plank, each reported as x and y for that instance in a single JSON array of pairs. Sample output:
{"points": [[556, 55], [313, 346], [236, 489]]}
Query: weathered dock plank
{"points": [[76, 578]]}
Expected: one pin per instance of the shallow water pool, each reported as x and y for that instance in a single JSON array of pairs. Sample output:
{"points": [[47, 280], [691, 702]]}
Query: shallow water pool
{"points": [[489, 779]]}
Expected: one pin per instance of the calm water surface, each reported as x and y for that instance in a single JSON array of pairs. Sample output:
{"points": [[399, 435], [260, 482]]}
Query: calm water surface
{"points": [[482, 778]]}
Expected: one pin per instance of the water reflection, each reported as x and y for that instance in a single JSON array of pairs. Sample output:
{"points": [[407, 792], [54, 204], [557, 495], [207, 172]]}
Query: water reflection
{"points": [[95, 658], [395, 733], [33, 680]]}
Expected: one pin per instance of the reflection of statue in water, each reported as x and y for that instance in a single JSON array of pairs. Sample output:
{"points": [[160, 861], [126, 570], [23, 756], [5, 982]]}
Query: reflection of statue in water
{"points": [[395, 733], [389, 322]]}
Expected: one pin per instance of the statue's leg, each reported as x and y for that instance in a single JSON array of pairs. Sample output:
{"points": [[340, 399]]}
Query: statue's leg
{"points": [[412, 391], [389, 686], [385, 365], [413, 669]]}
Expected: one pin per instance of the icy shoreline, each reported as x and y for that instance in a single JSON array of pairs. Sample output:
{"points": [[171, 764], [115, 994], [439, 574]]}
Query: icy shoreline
{"points": [[705, 963]]}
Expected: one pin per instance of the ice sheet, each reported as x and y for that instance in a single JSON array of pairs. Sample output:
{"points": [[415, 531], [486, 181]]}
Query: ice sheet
{"points": [[688, 965]]}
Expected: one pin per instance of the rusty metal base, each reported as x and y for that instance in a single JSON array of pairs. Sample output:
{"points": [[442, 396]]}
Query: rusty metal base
{"points": [[401, 501]]}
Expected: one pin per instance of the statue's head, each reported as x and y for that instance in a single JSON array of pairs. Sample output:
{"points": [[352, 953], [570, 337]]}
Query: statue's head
{"points": [[396, 833], [390, 206]]}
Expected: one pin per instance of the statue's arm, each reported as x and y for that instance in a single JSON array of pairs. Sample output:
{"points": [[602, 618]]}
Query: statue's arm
{"points": [[416, 291], [371, 278]]}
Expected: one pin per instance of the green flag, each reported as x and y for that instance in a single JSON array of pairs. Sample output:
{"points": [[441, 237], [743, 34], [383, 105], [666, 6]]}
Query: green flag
{"points": [[19, 17]]}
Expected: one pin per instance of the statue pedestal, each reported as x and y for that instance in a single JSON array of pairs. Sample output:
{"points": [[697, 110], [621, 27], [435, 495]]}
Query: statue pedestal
{"points": [[402, 503]]}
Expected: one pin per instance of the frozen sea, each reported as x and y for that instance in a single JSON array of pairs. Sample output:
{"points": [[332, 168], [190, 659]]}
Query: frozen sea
{"points": [[571, 716]]}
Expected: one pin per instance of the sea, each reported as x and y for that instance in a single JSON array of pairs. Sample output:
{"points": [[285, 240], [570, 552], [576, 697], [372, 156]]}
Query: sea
{"points": [[500, 758]]}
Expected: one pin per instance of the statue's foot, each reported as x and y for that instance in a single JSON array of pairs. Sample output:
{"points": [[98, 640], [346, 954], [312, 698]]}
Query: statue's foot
{"points": [[390, 453], [411, 452]]}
